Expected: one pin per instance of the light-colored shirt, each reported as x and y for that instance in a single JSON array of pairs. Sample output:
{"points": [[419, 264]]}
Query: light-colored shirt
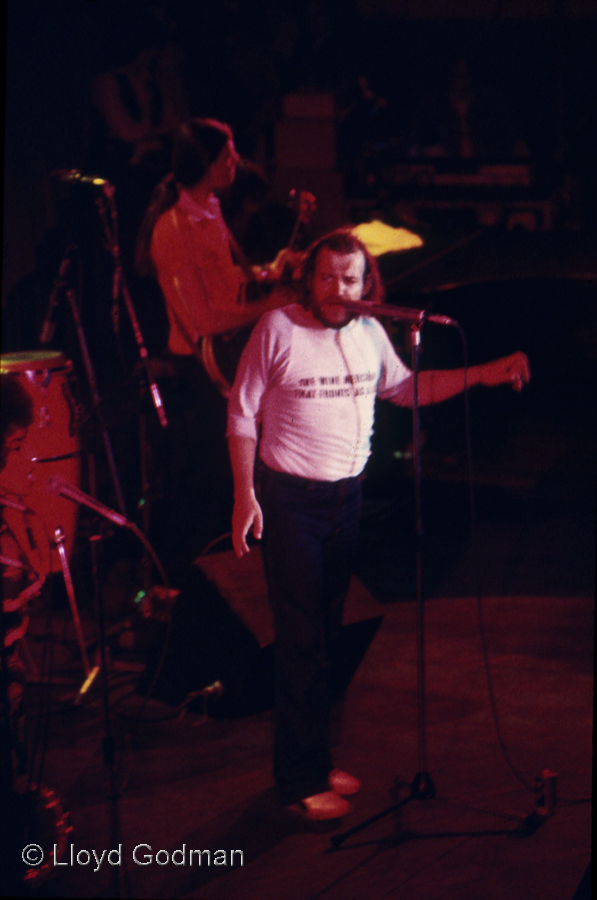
{"points": [[190, 248], [310, 390]]}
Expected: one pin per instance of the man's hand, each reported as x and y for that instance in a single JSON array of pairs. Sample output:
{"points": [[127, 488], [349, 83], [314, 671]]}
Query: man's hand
{"points": [[513, 369], [245, 515], [437, 385], [283, 268]]}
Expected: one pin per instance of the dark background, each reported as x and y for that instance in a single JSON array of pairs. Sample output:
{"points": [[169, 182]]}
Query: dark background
{"points": [[388, 65], [532, 65]]}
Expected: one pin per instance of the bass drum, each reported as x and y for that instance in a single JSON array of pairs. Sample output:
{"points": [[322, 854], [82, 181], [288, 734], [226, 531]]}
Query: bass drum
{"points": [[53, 442]]}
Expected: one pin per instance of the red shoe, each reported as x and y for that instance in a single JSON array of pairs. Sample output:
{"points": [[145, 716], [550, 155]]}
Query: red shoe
{"points": [[328, 805], [343, 783]]}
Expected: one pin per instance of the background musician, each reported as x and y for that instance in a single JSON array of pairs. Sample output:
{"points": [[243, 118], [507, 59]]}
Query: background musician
{"points": [[207, 284], [209, 289]]}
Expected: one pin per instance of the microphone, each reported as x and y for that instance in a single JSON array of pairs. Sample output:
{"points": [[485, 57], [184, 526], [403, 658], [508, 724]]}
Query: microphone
{"points": [[398, 313], [56, 484], [73, 175]]}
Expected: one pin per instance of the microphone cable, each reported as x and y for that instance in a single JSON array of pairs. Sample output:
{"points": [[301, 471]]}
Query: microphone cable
{"points": [[495, 714]]}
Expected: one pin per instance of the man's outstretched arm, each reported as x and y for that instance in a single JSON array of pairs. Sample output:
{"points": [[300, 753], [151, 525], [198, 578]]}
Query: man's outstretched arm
{"points": [[436, 385]]}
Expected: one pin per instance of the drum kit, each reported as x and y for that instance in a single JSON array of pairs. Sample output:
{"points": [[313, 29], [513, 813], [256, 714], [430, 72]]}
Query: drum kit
{"points": [[45, 521], [43, 515], [54, 443]]}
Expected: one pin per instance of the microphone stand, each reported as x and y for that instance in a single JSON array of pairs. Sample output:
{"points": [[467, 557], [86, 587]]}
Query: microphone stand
{"points": [[48, 326], [109, 221], [422, 787], [47, 333], [107, 210], [109, 218], [95, 397]]}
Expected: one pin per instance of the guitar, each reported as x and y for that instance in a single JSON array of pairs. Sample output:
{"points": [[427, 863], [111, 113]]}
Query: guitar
{"points": [[220, 353]]}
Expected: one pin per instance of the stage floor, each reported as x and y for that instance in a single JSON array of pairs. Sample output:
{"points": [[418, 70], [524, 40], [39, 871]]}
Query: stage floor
{"points": [[188, 781]]}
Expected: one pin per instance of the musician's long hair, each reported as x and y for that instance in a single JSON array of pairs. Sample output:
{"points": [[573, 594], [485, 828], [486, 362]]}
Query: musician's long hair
{"points": [[197, 144], [342, 241]]}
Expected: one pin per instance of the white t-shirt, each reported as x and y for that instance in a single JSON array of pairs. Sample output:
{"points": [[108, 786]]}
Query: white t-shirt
{"points": [[312, 391]]}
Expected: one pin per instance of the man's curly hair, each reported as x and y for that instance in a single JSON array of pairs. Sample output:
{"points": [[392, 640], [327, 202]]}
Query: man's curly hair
{"points": [[341, 241]]}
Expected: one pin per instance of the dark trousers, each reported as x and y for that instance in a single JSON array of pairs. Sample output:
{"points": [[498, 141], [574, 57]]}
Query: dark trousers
{"points": [[191, 467], [309, 541]]}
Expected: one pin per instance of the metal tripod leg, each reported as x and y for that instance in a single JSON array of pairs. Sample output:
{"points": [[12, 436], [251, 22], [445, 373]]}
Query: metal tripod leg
{"points": [[90, 673]]}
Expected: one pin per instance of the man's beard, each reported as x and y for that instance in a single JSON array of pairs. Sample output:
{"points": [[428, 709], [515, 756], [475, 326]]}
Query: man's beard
{"points": [[321, 317]]}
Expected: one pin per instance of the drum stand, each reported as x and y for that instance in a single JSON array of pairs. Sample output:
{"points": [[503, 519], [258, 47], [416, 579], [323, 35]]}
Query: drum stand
{"points": [[95, 397], [90, 673], [108, 740]]}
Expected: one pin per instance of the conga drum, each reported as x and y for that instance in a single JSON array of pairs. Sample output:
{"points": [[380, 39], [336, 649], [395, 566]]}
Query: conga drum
{"points": [[53, 442]]}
